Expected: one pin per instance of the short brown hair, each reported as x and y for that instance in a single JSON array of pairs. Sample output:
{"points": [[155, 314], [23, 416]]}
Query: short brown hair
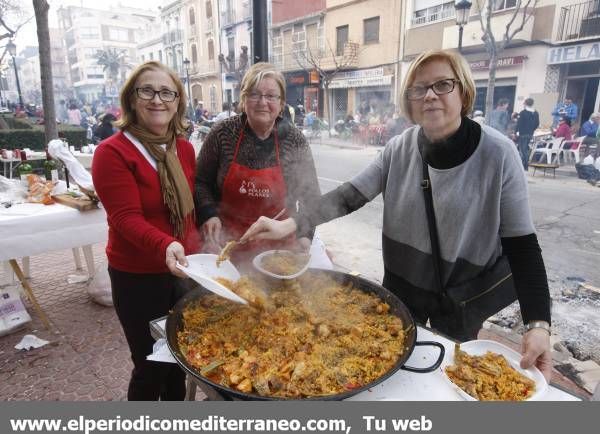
{"points": [[128, 116], [254, 75], [460, 68]]}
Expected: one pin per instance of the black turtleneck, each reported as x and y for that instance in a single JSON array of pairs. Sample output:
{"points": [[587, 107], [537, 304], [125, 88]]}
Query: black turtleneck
{"points": [[454, 150]]}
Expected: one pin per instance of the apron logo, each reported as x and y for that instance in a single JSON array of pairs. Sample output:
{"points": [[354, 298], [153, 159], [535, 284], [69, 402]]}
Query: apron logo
{"points": [[250, 189]]}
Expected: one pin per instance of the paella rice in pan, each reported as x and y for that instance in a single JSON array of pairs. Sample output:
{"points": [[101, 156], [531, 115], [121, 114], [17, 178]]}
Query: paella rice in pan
{"points": [[311, 337]]}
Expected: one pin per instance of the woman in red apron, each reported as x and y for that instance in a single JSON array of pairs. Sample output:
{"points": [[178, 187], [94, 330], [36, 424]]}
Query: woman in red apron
{"points": [[251, 165]]}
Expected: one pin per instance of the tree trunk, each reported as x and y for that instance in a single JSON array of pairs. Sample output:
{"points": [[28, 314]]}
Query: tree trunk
{"points": [[41, 17], [327, 107], [489, 98]]}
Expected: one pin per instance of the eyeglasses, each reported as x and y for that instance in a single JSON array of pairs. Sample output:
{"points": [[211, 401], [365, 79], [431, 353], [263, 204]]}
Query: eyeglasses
{"points": [[255, 97], [147, 93], [440, 87]]}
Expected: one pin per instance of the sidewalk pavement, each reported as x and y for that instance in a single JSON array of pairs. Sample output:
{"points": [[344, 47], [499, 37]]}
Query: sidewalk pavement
{"points": [[88, 358]]}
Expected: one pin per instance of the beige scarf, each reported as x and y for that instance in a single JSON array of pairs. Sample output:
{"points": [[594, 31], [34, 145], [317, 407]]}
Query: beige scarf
{"points": [[173, 184]]}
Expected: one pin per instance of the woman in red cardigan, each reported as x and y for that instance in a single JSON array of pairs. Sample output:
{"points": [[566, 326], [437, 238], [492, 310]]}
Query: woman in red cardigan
{"points": [[144, 176]]}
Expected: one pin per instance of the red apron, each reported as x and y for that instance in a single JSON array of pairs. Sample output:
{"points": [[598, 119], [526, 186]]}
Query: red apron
{"points": [[248, 194]]}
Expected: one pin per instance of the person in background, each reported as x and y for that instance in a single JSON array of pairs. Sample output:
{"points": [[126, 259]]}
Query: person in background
{"points": [[590, 128], [529, 121], [105, 128], [499, 117], [567, 108], [226, 113], [511, 128], [74, 115], [144, 176], [564, 128], [253, 164], [481, 206], [62, 113], [479, 117], [198, 111]]}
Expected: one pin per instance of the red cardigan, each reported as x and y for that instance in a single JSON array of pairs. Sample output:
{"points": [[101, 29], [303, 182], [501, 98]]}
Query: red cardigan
{"points": [[139, 230]]}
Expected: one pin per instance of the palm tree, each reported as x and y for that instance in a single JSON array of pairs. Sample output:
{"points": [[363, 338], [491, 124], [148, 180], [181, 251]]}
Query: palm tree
{"points": [[113, 62]]}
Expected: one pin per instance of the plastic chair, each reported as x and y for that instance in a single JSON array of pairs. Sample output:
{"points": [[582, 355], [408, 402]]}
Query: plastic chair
{"points": [[546, 148], [571, 148]]}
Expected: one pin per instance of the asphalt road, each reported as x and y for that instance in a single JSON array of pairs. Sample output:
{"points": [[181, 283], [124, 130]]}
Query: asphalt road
{"points": [[566, 213]]}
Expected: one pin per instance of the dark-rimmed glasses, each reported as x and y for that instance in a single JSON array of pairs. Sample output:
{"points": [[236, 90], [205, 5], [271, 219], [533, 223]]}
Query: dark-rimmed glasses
{"points": [[255, 97], [440, 87], [147, 93]]}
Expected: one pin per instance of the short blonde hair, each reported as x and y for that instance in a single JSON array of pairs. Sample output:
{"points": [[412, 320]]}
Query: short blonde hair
{"points": [[128, 116], [461, 70], [254, 75]]}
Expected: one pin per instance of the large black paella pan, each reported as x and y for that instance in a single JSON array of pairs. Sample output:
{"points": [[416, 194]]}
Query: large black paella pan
{"points": [[175, 324]]}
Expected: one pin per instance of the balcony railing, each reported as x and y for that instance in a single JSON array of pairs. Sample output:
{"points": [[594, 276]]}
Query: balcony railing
{"points": [[579, 21], [350, 56], [173, 37]]}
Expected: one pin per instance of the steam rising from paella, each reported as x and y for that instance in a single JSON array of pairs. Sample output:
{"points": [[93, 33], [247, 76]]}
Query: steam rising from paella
{"points": [[310, 337]]}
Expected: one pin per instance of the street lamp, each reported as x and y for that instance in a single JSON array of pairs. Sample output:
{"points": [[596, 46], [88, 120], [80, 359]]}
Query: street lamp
{"points": [[186, 64], [463, 8], [12, 50]]}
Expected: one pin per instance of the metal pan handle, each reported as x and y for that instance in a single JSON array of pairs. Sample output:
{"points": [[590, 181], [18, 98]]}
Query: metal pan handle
{"points": [[437, 363]]}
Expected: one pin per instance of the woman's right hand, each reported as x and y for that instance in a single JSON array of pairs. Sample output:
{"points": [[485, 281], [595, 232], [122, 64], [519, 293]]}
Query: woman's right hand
{"points": [[268, 229], [212, 231]]}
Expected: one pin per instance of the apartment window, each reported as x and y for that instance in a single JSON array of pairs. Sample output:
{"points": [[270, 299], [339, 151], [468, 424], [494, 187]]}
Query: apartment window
{"points": [[194, 55], [213, 98], [277, 48], [436, 13], [143, 58], [192, 17], [160, 56], [231, 47], [151, 56], [208, 9], [118, 34], [341, 37], [371, 30], [211, 50], [503, 4]]}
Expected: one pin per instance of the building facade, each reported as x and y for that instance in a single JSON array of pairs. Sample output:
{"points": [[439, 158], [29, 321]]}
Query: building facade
{"points": [[547, 60], [366, 37], [297, 30], [236, 45], [87, 32], [201, 28]]}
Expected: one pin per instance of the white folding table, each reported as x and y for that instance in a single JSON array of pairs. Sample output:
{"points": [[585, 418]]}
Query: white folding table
{"points": [[30, 229]]}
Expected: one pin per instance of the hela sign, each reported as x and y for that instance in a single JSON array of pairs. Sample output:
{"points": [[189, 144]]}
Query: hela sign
{"points": [[574, 53]]}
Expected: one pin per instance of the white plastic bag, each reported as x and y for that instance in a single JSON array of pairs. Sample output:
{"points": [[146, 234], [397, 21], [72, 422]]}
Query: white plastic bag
{"points": [[13, 314], [99, 288]]}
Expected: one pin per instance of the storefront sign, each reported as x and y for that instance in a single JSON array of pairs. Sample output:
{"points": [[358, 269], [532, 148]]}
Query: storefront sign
{"points": [[503, 62], [360, 73], [574, 53], [314, 77], [297, 78], [384, 80]]}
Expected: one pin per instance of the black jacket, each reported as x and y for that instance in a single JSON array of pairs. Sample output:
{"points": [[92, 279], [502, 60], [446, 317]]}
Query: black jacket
{"points": [[528, 122]]}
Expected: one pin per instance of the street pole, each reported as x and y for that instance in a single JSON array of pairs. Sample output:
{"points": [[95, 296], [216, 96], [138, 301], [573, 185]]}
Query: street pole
{"points": [[18, 83], [260, 33], [460, 36], [187, 74]]}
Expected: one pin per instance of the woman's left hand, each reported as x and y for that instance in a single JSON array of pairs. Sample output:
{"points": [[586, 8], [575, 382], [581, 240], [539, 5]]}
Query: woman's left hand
{"points": [[176, 253], [535, 348]]}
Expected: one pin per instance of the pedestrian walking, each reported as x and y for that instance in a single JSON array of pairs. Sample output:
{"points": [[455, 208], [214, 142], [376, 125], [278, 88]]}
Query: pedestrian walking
{"points": [[529, 121]]}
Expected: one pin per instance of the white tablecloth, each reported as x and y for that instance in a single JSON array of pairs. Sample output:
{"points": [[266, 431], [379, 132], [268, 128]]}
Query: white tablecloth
{"points": [[29, 229]]}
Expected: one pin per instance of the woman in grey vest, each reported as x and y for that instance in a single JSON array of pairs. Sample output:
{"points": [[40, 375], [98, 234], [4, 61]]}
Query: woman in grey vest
{"points": [[480, 200]]}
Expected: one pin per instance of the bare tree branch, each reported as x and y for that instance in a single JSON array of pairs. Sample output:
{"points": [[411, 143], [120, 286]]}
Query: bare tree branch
{"points": [[524, 18]]}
